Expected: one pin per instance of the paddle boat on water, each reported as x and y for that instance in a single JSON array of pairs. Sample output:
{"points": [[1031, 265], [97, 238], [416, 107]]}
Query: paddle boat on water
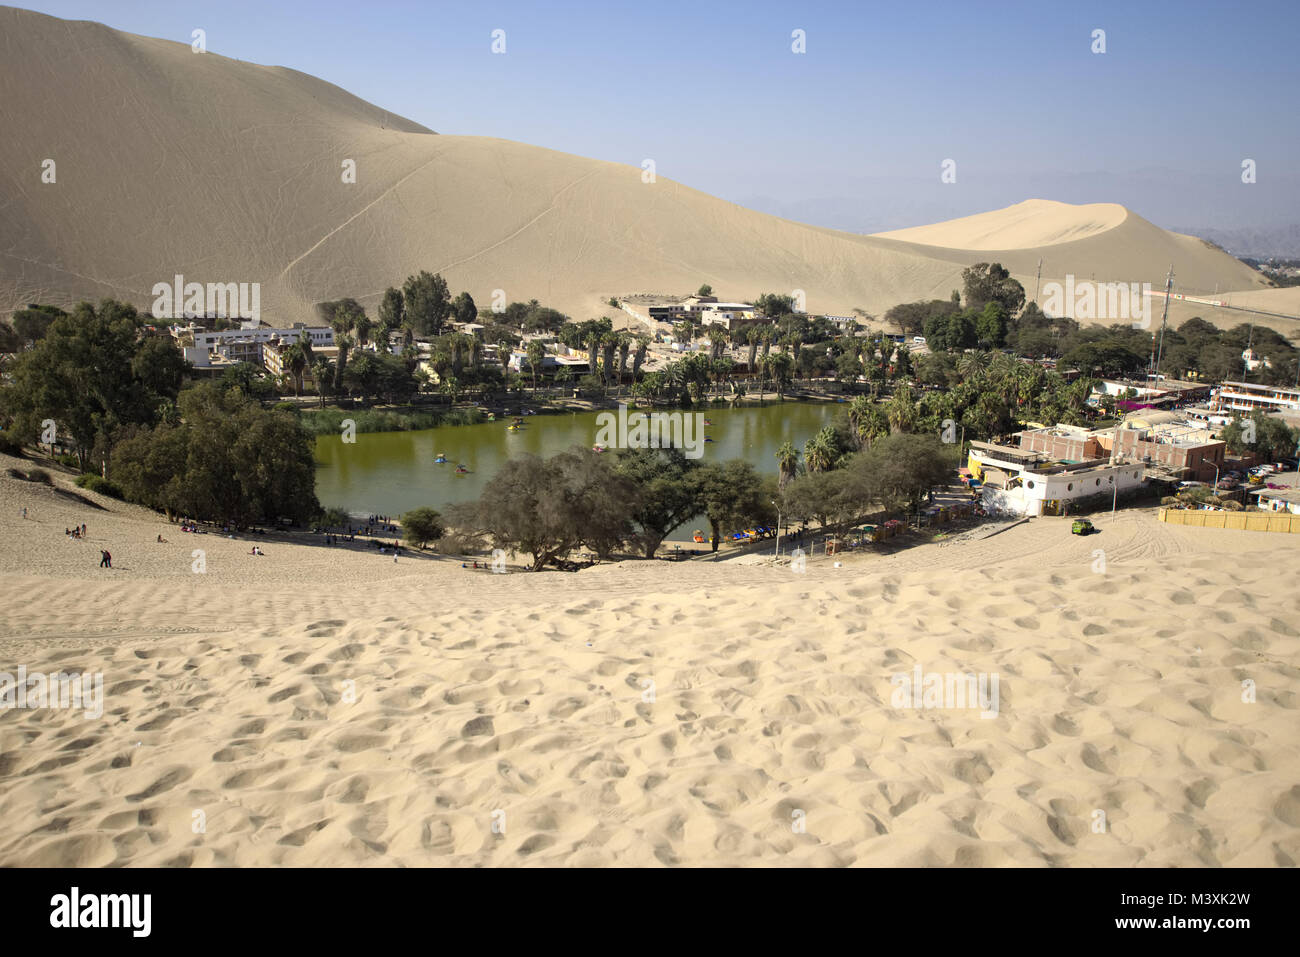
{"points": [[708, 421], [461, 470], [512, 428], [441, 459], [598, 448]]}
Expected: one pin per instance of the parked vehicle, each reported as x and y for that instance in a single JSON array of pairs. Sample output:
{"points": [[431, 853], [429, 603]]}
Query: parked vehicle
{"points": [[1081, 526]]}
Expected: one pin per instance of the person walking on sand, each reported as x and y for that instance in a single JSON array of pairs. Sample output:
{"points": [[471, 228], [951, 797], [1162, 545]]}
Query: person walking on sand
{"points": [[105, 559], [83, 529]]}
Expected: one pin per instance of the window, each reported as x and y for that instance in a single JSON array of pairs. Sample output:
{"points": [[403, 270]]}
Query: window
{"points": [[1029, 484], [1070, 487], [1098, 481]]}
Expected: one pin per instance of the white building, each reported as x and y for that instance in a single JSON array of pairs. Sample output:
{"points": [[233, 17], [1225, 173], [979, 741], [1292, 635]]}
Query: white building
{"points": [[244, 343], [1251, 396], [1021, 482]]}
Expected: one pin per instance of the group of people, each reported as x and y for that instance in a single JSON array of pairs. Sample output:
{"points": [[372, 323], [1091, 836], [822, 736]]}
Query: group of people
{"points": [[375, 523], [256, 551], [76, 531]]}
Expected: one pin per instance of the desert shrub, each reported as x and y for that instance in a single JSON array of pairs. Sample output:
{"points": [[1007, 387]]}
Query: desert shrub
{"points": [[97, 483], [10, 445], [334, 518], [39, 475], [69, 460]]}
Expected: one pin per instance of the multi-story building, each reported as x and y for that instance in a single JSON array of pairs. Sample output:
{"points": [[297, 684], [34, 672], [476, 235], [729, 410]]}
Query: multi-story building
{"points": [[245, 343], [1168, 443], [1253, 397], [1023, 482]]}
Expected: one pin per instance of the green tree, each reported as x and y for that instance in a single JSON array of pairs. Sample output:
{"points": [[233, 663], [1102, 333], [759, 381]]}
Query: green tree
{"points": [[733, 496], [392, 312], [990, 282], [666, 492], [787, 461], [421, 526], [92, 374], [428, 303]]}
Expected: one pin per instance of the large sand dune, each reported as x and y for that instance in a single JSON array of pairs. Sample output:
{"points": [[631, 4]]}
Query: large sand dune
{"points": [[227, 693], [171, 162]]}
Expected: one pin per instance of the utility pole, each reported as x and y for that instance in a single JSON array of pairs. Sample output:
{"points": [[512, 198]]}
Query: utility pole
{"points": [[1169, 288], [1039, 280], [1245, 360]]}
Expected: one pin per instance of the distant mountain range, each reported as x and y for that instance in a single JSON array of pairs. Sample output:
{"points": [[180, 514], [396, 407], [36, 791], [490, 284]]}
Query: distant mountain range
{"points": [[1263, 242]]}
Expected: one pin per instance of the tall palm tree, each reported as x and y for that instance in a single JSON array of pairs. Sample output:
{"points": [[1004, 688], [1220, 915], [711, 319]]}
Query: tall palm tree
{"points": [[344, 343], [901, 410], [819, 452], [536, 353], [717, 341], [858, 410], [608, 346], [638, 357], [295, 362], [322, 373], [624, 346], [787, 463]]}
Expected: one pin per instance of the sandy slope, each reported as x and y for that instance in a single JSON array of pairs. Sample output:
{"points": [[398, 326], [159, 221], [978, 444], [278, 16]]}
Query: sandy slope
{"points": [[1033, 223], [525, 694], [174, 162]]}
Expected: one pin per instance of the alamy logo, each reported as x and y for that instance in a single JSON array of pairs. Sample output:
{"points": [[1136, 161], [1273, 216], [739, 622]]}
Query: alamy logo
{"points": [[658, 430], [1111, 301], [242, 300], [133, 911], [947, 690], [59, 690]]}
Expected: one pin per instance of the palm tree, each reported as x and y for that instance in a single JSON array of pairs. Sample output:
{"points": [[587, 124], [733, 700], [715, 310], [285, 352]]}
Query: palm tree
{"points": [[717, 341], [901, 410], [344, 343], [536, 353], [819, 452], [972, 365], [321, 372], [624, 346], [638, 357], [363, 327], [608, 346], [295, 362], [787, 462], [874, 425], [346, 315], [859, 409], [782, 366]]}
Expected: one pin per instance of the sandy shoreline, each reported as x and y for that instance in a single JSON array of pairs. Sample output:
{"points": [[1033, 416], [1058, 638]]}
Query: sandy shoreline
{"points": [[326, 707]]}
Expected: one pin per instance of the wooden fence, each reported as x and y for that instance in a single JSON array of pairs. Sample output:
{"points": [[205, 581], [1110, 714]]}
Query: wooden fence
{"points": [[1247, 521]]}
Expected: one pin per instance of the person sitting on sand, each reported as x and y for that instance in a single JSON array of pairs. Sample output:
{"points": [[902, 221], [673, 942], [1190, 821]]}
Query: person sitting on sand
{"points": [[161, 540]]}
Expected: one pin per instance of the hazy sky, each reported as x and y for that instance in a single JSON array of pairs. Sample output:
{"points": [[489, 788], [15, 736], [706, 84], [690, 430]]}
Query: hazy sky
{"points": [[850, 134]]}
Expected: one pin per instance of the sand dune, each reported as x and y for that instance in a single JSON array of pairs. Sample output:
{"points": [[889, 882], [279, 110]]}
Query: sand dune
{"points": [[1033, 223], [170, 162], [227, 694]]}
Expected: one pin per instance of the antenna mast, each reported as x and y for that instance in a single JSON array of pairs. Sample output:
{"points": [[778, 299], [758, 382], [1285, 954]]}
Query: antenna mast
{"points": [[1169, 287]]}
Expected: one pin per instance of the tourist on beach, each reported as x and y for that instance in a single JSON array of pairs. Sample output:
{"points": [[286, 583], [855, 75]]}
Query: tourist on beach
{"points": [[83, 529], [105, 559], [24, 511]]}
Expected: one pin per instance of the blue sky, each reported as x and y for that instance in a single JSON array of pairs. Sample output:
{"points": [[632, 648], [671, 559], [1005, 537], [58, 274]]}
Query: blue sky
{"points": [[849, 134]]}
